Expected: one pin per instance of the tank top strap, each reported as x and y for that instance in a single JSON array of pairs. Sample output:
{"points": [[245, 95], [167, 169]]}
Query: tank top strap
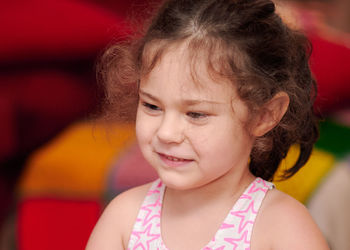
{"points": [[146, 230], [236, 230], [234, 233]]}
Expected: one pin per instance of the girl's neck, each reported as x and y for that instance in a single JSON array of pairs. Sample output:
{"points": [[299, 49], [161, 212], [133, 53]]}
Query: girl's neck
{"points": [[225, 189]]}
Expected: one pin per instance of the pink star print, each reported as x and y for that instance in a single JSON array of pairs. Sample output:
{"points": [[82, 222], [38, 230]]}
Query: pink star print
{"points": [[245, 196], [253, 189], [147, 217], [149, 236], [225, 225], [155, 191], [209, 248], [232, 240], [243, 214]]}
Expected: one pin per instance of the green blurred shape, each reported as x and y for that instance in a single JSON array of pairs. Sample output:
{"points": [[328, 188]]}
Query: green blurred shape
{"points": [[334, 138]]}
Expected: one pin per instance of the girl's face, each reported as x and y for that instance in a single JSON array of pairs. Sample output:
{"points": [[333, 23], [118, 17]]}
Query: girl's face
{"points": [[191, 133]]}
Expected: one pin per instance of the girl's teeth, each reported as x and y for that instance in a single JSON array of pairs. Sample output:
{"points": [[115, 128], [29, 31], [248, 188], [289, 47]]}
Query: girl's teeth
{"points": [[172, 158]]}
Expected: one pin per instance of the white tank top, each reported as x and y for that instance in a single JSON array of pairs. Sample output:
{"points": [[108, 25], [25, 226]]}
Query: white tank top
{"points": [[234, 233]]}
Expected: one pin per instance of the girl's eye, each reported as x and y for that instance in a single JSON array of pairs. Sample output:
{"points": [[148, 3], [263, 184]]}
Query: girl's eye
{"points": [[150, 106], [196, 115]]}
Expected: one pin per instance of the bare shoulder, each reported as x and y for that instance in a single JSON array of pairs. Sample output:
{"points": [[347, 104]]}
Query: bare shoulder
{"points": [[285, 223], [114, 227]]}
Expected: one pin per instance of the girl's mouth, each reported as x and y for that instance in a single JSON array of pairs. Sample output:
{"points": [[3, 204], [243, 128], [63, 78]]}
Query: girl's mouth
{"points": [[173, 161]]}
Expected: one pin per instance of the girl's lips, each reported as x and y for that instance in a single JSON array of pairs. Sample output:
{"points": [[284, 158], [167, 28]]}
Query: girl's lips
{"points": [[173, 161]]}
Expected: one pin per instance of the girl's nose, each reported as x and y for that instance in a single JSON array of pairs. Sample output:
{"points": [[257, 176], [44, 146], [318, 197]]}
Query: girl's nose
{"points": [[170, 130]]}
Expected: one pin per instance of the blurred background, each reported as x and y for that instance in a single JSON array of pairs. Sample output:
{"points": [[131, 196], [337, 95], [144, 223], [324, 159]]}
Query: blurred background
{"points": [[59, 166]]}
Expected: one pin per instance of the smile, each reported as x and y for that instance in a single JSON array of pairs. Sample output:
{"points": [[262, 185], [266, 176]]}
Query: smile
{"points": [[172, 161]]}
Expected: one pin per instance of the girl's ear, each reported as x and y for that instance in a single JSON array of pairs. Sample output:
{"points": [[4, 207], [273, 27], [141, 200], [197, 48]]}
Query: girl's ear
{"points": [[270, 114]]}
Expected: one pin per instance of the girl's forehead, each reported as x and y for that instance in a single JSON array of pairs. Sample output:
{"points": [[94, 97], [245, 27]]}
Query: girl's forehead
{"points": [[177, 68]]}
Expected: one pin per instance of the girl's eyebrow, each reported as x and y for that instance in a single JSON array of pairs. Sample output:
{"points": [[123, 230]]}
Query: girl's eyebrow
{"points": [[190, 102], [148, 95]]}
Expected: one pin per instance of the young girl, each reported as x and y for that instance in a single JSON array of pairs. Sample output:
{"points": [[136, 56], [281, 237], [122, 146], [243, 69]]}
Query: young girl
{"points": [[224, 89]]}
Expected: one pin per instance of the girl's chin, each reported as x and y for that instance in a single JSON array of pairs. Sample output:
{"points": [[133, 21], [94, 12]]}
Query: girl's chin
{"points": [[180, 183]]}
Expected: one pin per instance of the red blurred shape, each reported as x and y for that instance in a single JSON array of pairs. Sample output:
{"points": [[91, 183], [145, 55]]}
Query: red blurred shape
{"points": [[52, 224]]}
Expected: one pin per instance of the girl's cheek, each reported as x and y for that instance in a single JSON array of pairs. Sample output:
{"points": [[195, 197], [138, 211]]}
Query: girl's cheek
{"points": [[140, 127], [145, 126]]}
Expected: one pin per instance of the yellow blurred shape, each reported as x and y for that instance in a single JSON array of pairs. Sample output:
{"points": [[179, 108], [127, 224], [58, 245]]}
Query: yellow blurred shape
{"points": [[306, 180], [76, 162]]}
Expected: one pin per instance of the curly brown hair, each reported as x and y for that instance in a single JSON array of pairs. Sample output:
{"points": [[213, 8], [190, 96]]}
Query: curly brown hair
{"points": [[244, 41]]}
